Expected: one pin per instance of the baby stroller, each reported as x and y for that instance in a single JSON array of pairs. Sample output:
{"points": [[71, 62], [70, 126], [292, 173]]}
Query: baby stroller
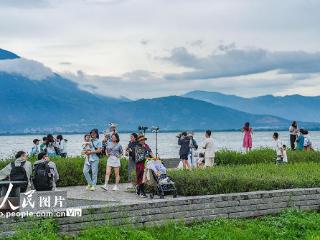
{"points": [[160, 184]]}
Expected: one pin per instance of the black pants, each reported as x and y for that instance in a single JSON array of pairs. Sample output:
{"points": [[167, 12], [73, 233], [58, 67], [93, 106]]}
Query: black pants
{"points": [[293, 141]]}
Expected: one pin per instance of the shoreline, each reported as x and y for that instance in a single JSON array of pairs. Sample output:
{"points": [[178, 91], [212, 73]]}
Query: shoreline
{"points": [[161, 131]]}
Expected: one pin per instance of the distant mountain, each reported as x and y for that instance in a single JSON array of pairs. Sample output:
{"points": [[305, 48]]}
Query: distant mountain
{"points": [[175, 112], [35, 99], [4, 54], [294, 107]]}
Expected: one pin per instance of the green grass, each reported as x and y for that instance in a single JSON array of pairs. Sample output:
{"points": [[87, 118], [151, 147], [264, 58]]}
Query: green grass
{"points": [[245, 178], [263, 155], [290, 224], [221, 179]]}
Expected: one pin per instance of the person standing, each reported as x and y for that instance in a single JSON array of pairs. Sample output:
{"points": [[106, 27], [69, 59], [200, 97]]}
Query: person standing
{"points": [[247, 137], [307, 144], [130, 152], [300, 140], [93, 160], [278, 147], [50, 149], [43, 144], [114, 152], [184, 151], [208, 150], [193, 154], [62, 146], [293, 130], [142, 152], [35, 149]]}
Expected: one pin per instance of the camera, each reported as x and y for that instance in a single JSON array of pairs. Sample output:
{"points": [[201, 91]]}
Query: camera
{"points": [[155, 129], [142, 128]]}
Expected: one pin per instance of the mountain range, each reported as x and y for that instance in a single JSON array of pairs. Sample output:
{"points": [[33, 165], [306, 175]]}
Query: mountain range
{"points": [[35, 99], [293, 107]]}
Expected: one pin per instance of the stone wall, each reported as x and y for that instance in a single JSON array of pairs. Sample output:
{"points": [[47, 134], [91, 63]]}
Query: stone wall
{"points": [[188, 209]]}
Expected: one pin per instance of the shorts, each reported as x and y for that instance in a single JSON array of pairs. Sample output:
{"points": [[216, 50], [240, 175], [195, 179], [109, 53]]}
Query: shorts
{"points": [[184, 156], [113, 162]]}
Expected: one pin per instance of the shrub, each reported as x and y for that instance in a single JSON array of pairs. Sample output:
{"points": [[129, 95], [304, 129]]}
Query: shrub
{"points": [[263, 155], [245, 178]]}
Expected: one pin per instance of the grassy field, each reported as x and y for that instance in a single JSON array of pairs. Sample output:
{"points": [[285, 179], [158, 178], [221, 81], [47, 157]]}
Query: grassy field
{"points": [[291, 224]]}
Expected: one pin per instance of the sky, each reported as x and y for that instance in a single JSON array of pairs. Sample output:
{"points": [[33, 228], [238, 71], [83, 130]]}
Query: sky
{"points": [[154, 48]]}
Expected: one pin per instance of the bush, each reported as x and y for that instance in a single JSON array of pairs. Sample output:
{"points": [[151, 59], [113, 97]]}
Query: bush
{"points": [[245, 178], [263, 155]]}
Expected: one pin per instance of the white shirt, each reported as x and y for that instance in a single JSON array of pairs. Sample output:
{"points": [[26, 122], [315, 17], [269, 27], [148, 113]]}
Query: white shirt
{"points": [[278, 146], [209, 148], [307, 141], [285, 157]]}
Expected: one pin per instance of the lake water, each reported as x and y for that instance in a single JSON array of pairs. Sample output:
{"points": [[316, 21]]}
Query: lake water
{"points": [[167, 142]]}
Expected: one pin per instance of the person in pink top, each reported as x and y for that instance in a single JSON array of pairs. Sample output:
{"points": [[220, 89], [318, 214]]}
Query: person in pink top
{"points": [[247, 137]]}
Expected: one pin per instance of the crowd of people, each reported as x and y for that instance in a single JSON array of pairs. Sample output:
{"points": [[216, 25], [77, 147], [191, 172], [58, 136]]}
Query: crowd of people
{"points": [[43, 174], [137, 150], [51, 146]]}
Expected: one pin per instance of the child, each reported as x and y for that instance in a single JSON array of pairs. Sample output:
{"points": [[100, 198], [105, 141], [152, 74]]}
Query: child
{"points": [[201, 160], [285, 157], [247, 137], [86, 146], [307, 144], [278, 147]]}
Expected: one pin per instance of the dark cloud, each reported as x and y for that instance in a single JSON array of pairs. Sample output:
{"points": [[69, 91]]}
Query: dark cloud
{"points": [[230, 62]]}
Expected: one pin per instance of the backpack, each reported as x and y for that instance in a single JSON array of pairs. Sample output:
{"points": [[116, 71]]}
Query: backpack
{"points": [[18, 173], [141, 153], [42, 177]]}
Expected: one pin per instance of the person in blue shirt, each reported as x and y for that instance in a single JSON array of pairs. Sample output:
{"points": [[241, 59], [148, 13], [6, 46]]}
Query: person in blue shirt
{"points": [[93, 160], [300, 140], [35, 149]]}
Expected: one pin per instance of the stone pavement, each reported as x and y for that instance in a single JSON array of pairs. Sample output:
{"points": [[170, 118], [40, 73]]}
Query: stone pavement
{"points": [[79, 196]]}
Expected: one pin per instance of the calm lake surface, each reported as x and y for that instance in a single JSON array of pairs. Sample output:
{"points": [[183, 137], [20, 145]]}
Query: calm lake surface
{"points": [[167, 142]]}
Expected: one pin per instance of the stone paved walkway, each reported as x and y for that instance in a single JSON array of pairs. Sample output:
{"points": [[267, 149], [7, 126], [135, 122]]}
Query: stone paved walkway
{"points": [[79, 196]]}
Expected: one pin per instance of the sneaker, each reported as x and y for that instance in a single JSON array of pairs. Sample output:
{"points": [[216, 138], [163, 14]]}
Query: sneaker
{"points": [[105, 187], [88, 187], [92, 188], [115, 188], [143, 195]]}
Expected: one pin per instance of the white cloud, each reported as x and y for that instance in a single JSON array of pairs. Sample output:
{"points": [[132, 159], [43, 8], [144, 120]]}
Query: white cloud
{"points": [[26, 68]]}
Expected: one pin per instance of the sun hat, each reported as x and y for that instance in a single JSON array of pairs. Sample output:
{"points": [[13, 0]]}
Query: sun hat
{"points": [[141, 138]]}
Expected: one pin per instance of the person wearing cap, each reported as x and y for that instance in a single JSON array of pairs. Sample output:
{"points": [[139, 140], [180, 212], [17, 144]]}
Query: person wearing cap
{"points": [[35, 148], [93, 160], [142, 152], [42, 158]]}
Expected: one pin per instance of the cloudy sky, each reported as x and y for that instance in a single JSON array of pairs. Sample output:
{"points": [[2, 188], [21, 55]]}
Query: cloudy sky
{"points": [[151, 48]]}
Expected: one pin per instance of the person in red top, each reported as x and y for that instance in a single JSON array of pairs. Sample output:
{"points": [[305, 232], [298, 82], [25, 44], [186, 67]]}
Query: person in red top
{"points": [[142, 152], [247, 138]]}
